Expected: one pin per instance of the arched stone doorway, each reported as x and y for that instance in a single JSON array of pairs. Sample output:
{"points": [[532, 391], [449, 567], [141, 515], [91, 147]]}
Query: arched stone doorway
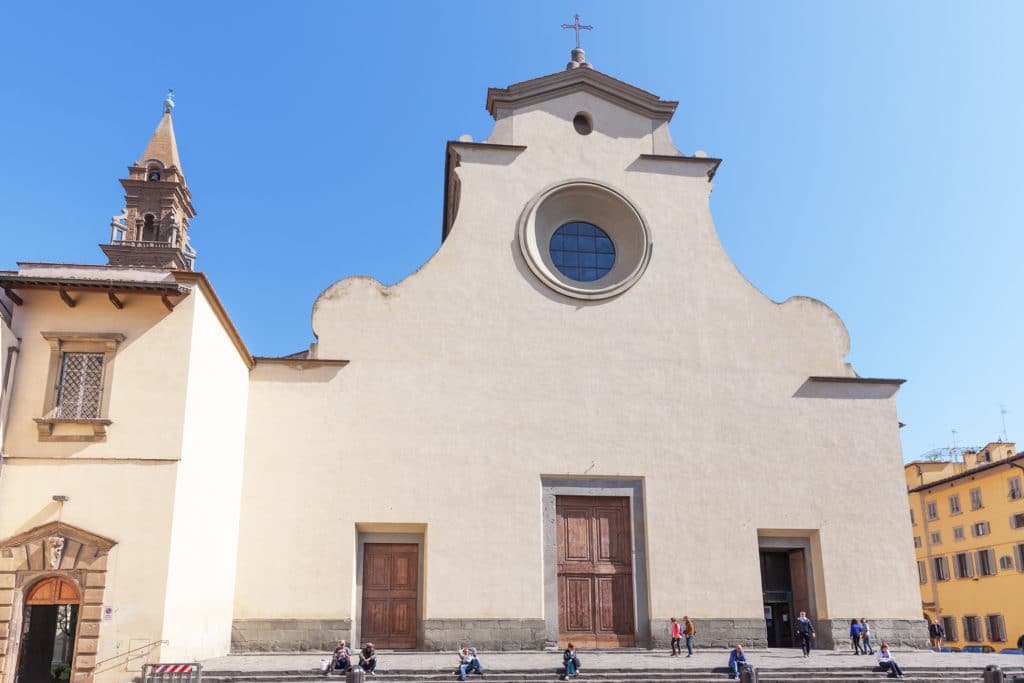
{"points": [[52, 565], [49, 626]]}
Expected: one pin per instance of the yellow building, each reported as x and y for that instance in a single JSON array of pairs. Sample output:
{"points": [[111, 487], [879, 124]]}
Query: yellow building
{"points": [[968, 521]]}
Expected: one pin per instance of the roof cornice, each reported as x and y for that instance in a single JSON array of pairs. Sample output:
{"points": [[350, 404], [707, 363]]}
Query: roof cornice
{"points": [[580, 80]]}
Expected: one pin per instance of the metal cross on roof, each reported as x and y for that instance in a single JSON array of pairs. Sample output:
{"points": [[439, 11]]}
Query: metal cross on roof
{"points": [[576, 26]]}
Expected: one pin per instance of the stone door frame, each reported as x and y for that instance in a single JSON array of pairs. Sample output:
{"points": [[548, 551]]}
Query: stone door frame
{"points": [[53, 550], [632, 488], [364, 537]]}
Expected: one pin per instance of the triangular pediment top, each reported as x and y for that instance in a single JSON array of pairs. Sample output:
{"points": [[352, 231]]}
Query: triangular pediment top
{"points": [[61, 529], [576, 80]]}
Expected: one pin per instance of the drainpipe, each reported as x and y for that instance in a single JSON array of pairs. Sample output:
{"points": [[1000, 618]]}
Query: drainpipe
{"points": [[6, 395]]}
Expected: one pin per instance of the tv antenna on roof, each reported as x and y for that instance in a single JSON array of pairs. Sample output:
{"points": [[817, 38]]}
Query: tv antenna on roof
{"points": [[1003, 411]]}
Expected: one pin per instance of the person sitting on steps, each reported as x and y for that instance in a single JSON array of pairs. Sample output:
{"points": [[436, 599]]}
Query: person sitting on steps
{"points": [[469, 662], [368, 659], [736, 658], [342, 658], [887, 663], [570, 661]]}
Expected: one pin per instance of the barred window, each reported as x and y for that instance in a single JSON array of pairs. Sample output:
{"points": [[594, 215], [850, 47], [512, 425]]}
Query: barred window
{"points": [[996, 628], [954, 504], [976, 499], [972, 629], [949, 626], [940, 568], [922, 571], [1016, 493], [81, 386], [963, 567], [986, 562]]}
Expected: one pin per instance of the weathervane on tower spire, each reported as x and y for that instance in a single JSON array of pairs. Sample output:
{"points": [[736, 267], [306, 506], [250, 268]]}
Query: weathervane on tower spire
{"points": [[579, 58], [169, 101]]}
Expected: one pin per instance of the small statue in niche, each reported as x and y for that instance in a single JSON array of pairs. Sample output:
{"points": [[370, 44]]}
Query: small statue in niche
{"points": [[54, 550]]}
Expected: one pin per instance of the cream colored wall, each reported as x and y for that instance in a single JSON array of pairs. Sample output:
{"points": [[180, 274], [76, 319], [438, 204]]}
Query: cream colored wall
{"points": [[203, 543], [470, 379], [127, 501], [148, 397]]}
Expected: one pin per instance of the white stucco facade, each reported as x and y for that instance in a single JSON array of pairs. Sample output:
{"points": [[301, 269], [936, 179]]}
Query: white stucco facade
{"points": [[451, 413]]}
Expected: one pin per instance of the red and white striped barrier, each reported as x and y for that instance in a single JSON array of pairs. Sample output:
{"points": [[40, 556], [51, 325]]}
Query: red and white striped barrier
{"points": [[173, 668]]}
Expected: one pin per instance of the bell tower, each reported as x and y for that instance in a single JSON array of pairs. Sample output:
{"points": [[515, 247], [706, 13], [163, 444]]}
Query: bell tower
{"points": [[153, 228]]}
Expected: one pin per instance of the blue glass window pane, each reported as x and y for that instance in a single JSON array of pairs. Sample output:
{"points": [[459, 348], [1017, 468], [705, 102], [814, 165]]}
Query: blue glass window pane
{"points": [[582, 251]]}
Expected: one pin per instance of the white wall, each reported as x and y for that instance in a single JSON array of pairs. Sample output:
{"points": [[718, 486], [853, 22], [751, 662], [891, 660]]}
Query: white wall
{"points": [[470, 379], [204, 535]]}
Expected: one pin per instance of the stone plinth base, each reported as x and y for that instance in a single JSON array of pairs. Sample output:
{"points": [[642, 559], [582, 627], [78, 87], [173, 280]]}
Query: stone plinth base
{"points": [[288, 635], [484, 634]]}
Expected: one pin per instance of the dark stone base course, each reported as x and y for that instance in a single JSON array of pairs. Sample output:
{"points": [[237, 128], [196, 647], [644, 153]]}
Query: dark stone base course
{"points": [[898, 633], [288, 635], [712, 633], [485, 634], [297, 635], [832, 634]]}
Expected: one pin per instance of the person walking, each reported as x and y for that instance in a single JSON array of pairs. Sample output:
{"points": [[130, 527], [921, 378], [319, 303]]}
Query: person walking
{"points": [[887, 663], [688, 632], [677, 638], [736, 658], [805, 629], [865, 637], [855, 637], [936, 633]]}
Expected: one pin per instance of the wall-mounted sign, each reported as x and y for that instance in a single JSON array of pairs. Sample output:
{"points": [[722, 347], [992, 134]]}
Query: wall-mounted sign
{"points": [[108, 613]]}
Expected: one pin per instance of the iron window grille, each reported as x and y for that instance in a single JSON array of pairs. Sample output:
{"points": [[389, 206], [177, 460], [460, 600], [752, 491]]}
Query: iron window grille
{"points": [[81, 386]]}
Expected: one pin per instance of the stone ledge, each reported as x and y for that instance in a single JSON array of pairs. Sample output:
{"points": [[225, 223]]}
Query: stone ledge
{"points": [[485, 634], [288, 635]]}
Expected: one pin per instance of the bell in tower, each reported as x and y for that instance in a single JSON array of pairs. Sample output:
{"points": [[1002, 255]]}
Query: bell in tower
{"points": [[153, 229]]}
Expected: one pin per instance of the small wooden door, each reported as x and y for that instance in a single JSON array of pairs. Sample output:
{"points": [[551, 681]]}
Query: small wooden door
{"points": [[595, 572], [390, 594]]}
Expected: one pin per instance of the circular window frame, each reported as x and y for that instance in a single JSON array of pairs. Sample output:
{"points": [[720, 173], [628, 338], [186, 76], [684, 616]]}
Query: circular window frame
{"points": [[583, 123], [591, 202]]}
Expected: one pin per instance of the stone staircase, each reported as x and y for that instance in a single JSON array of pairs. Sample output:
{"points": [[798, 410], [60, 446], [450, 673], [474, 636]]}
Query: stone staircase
{"points": [[803, 674]]}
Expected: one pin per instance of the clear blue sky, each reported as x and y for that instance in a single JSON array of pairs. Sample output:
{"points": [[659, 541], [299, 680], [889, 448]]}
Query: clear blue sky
{"points": [[872, 153]]}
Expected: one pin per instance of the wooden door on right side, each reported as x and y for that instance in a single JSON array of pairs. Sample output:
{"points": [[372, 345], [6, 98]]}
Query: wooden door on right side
{"points": [[595, 571], [390, 595]]}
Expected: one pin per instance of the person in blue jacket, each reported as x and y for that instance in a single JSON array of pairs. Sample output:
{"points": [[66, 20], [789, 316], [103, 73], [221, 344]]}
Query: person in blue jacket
{"points": [[855, 631], [736, 659]]}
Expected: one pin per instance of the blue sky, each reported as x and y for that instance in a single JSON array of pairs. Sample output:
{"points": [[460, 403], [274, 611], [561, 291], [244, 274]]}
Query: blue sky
{"points": [[871, 151]]}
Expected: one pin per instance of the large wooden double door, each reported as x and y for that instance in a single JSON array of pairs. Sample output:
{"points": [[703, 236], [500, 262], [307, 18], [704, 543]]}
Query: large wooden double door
{"points": [[595, 572], [390, 594]]}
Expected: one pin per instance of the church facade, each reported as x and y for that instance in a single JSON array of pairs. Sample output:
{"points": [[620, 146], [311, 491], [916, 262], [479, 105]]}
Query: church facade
{"points": [[575, 421]]}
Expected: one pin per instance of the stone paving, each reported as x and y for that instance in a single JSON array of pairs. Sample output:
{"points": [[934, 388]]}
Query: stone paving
{"points": [[618, 659]]}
